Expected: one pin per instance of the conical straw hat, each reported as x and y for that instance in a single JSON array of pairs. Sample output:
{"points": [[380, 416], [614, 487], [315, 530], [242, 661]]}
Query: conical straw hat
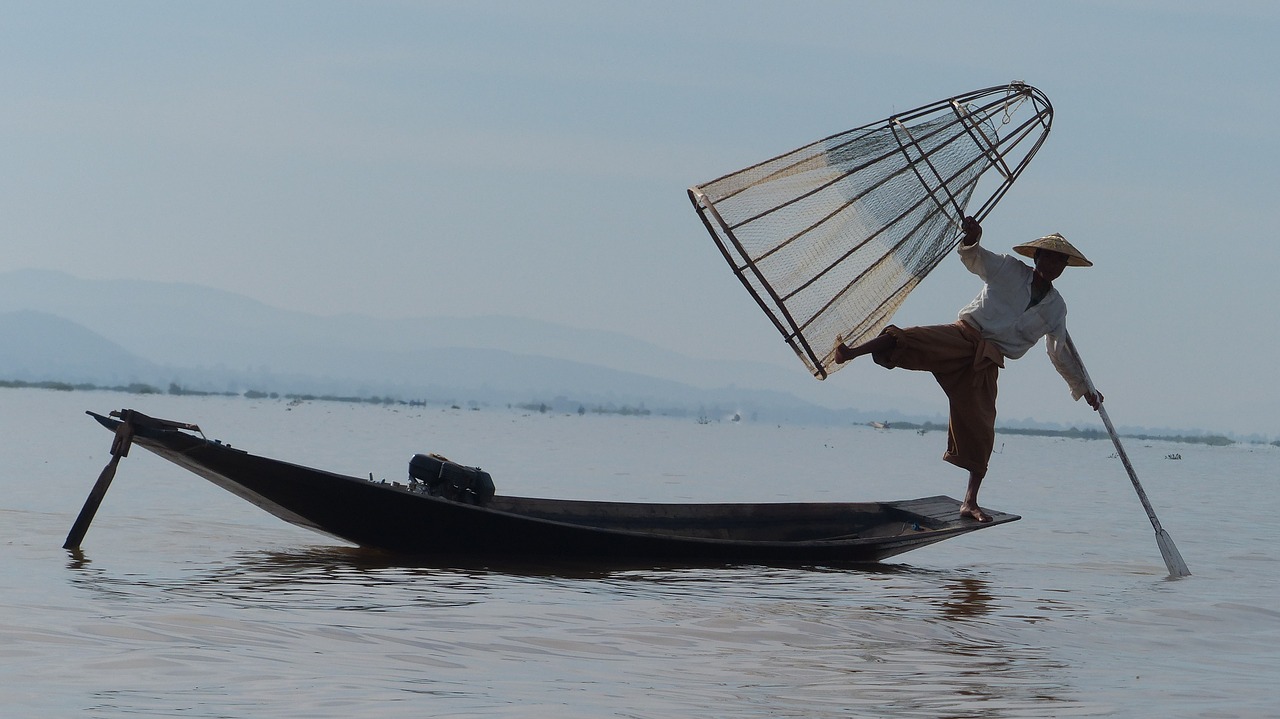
{"points": [[1054, 243]]}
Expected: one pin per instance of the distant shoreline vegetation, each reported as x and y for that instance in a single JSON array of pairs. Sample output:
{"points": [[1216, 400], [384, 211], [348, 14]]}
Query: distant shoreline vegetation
{"points": [[140, 388], [1213, 440]]}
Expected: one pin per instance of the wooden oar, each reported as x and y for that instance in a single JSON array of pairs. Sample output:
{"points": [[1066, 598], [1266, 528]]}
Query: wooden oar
{"points": [[1172, 558], [119, 448]]}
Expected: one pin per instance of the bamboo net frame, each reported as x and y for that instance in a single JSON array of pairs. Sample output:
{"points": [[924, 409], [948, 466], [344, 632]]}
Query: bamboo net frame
{"points": [[830, 238]]}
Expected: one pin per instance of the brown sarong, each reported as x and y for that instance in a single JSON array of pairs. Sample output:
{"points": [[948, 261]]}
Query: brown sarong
{"points": [[966, 366]]}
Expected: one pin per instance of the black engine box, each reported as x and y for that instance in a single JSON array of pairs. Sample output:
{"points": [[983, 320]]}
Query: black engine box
{"points": [[451, 480]]}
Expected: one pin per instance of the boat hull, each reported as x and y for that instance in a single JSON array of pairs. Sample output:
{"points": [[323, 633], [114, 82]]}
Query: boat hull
{"points": [[400, 518]]}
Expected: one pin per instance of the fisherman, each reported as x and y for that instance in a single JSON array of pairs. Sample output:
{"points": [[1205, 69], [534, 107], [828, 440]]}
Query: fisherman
{"points": [[1017, 306]]}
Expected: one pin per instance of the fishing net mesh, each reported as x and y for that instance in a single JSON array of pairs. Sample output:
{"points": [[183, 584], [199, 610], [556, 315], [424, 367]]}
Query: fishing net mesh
{"points": [[832, 237]]}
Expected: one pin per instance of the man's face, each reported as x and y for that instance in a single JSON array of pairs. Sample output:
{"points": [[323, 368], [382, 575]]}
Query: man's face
{"points": [[1050, 264]]}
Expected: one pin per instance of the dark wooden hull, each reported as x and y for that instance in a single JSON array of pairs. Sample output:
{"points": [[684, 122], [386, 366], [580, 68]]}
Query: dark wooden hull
{"points": [[393, 517]]}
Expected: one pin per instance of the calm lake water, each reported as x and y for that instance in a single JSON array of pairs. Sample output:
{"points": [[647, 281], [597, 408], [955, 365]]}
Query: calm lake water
{"points": [[190, 602]]}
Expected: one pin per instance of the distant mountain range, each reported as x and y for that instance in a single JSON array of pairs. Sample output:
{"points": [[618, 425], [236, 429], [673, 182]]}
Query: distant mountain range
{"points": [[38, 346], [54, 326]]}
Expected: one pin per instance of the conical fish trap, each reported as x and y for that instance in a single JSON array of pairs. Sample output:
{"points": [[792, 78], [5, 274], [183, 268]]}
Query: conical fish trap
{"points": [[830, 238]]}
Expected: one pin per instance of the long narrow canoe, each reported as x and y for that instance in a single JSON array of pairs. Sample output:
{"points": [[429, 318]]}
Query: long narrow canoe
{"points": [[405, 518]]}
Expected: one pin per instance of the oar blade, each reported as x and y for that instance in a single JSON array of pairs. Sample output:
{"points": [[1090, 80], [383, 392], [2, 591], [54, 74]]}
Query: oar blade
{"points": [[1172, 558]]}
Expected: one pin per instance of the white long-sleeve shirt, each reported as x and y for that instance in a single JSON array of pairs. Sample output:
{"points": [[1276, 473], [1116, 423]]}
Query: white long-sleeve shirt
{"points": [[1001, 312]]}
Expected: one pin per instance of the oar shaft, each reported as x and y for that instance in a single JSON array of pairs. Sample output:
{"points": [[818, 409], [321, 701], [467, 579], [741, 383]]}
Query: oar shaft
{"points": [[1128, 466], [91, 504], [119, 448], [1172, 557]]}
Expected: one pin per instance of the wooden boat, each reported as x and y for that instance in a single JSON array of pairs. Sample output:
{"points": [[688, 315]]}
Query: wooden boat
{"points": [[405, 518]]}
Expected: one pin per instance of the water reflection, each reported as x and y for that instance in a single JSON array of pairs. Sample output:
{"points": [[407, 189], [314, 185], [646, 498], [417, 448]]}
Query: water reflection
{"points": [[76, 559], [887, 640], [967, 598]]}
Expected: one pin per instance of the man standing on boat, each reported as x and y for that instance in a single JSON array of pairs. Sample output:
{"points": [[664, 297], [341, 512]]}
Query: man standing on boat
{"points": [[1016, 307]]}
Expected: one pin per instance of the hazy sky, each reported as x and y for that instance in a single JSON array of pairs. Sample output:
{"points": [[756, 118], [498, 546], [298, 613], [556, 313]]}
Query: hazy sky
{"points": [[531, 159]]}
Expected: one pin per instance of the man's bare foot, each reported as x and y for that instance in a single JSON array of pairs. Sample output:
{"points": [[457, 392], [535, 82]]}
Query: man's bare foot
{"points": [[843, 353], [974, 512]]}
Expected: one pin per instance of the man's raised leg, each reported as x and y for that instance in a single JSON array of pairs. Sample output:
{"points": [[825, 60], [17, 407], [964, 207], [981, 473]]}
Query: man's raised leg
{"points": [[880, 343]]}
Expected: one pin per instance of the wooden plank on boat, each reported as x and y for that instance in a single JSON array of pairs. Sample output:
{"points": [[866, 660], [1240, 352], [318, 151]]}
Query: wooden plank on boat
{"points": [[944, 512]]}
